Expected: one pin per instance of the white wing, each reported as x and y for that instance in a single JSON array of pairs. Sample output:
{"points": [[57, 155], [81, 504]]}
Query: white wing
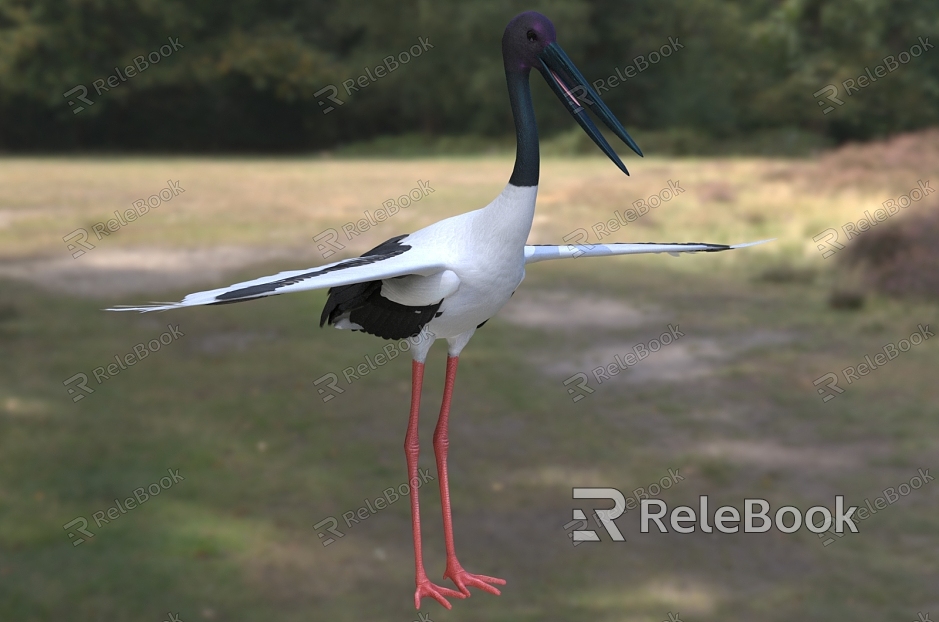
{"points": [[543, 252], [345, 272]]}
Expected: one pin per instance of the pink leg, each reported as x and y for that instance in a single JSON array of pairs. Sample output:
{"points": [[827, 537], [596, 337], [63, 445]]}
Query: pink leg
{"points": [[412, 451], [454, 571]]}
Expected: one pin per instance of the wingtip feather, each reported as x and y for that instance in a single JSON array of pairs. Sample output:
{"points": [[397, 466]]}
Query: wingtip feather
{"points": [[745, 245], [153, 306]]}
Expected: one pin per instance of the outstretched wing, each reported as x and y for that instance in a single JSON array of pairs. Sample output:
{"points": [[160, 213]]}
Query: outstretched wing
{"points": [[400, 261], [544, 252]]}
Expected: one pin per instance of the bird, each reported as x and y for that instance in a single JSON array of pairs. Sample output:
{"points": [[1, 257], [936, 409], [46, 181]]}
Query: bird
{"points": [[448, 279]]}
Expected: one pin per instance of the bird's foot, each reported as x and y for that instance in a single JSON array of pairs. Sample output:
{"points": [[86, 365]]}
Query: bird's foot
{"points": [[437, 592], [464, 580]]}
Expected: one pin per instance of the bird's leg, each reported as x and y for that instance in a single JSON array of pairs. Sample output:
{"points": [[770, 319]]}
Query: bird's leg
{"points": [[454, 571], [412, 451]]}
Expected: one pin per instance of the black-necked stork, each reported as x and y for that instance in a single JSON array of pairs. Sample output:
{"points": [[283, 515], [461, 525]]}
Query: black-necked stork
{"points": [[448, 279]]}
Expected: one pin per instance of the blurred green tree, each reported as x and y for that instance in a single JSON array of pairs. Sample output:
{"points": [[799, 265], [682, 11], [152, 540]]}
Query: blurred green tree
{"points": [[251, 74]]}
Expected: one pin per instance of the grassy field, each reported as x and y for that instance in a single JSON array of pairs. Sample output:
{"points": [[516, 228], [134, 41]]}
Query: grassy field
{"points": [[231, 402]]}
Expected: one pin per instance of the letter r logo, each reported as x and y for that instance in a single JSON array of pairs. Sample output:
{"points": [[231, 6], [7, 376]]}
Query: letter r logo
{"points": [[575, 240], [83, 91], [832, 95], [827, 242], [333, 523], [80, 237], [331, 97], [333, 379], [832, 385], [82, 384], [330, 237], [606, 517], [81, 529], [582, 385]]}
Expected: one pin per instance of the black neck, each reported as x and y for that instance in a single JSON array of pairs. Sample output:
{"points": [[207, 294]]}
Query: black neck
{"points": [[526, 130]]}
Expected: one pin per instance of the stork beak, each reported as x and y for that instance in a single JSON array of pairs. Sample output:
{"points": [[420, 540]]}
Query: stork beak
{"points": [[575, 91]]}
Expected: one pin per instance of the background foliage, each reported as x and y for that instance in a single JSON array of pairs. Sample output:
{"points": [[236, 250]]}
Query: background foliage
{"points": [[247, 77]]}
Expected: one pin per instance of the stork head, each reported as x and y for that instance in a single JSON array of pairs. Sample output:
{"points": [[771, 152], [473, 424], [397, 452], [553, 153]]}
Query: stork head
{"points": [[525, 38], [530, 41]]}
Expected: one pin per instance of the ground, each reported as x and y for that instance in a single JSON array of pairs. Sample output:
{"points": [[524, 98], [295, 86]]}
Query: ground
{"points": [[231, 401]]}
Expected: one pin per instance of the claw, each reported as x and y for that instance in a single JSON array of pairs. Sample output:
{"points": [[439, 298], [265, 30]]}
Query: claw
{"points": [[437, 592], [462, 579]]}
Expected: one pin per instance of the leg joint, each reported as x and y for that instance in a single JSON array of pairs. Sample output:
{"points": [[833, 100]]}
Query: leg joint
{"points": [[441, 440]]}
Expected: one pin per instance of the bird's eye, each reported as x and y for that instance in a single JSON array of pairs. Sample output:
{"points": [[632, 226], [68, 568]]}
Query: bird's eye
{"points": [[532, 35]]}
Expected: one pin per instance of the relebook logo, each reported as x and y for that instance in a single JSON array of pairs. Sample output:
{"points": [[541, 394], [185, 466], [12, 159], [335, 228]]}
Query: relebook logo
{"points": [[756, 517], [684, 519]]}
